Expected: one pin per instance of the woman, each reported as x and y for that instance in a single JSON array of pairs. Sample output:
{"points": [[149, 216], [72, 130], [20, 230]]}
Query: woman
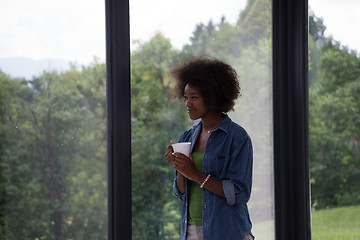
{"points": [[214, 183]]}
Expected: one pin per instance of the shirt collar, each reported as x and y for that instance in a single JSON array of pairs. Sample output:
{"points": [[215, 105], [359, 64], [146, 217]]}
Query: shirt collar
{"points": [[225, 125]]}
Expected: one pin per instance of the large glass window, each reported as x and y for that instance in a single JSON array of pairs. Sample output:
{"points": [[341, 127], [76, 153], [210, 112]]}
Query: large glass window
{"points": [[238, 32], [334, 90], [53, 120]]}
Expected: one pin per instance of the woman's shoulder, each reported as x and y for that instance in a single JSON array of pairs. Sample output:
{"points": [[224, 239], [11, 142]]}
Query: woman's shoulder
{"points": [[238, 132], [240, 138], [238, 129]]}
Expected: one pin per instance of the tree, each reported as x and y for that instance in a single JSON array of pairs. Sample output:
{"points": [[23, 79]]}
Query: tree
{"points": [[317, 28], [6, 87], [156, 119], [247, 47], [334, 128], [54, 163]]}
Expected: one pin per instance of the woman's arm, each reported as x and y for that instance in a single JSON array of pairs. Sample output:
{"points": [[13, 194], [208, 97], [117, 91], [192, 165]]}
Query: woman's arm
{"points": [[185, 167], [238, 180], [180, 183], [213, 185], [236, 188]]}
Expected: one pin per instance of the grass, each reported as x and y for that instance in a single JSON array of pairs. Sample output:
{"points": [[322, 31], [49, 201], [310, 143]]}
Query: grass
{"points": [[263, 230], [342, 223]]}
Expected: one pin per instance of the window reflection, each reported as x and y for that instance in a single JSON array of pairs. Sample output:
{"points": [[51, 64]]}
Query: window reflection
{"points": [[157, 117]]}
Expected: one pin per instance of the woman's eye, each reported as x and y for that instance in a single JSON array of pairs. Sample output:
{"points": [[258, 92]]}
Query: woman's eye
{"points": [[191, 97]]}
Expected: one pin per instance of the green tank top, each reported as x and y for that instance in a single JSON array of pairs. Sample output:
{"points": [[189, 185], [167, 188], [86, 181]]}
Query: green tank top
{"points": [[195, 197]]}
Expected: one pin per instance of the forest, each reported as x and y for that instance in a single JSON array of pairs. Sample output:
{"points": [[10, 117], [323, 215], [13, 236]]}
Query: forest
{"points": [[53, 182]]}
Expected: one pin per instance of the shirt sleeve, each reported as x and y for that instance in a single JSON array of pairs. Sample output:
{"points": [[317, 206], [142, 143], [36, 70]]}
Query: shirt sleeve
{"points": [[176, 190], [238, 182]]}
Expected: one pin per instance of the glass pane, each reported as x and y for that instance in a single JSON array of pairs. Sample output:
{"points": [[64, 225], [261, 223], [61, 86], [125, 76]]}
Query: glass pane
{"points": [[238, 32], [53, 120], [334, 82]]}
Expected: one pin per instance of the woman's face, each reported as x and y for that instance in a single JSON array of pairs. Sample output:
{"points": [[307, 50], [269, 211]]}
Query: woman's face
{"points": [[194, 103]]}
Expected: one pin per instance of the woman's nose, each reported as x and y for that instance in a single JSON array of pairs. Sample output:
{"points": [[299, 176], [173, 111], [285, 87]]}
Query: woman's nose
{"points": [[188, 103]]}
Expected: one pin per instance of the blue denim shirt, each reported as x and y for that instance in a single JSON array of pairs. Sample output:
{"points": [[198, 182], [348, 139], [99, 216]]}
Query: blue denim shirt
{"points": [[228, 157]]}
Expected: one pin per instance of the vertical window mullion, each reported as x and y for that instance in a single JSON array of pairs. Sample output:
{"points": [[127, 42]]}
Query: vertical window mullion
{"points": [[118, 119], [291, 161]]}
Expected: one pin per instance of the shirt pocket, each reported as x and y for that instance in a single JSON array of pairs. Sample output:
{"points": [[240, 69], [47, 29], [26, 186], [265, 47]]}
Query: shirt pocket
{"points": [[221, 162]]}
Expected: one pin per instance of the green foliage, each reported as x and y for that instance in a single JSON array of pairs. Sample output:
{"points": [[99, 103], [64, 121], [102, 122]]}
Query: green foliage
{"points": [[334, 128], [254, 23], [54, 163], [341, 68], [247, 47], [334, 119], [53, 133], [316, 39], [316, 28], [157, 118]]}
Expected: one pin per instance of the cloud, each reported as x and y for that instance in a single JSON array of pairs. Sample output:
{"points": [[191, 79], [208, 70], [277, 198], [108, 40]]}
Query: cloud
{"points": [[75, 30], [66, 29], [177, 19], [341, 19]]}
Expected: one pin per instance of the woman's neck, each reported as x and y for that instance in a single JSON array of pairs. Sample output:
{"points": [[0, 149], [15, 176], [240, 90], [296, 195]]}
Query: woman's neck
{"points": [[211, 121]]}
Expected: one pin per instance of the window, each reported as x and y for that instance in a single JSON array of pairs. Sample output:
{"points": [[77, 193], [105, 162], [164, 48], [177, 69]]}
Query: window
{"points": [[290, 112], [53, 120], [334, 112], [78, 121], [240, 34]]}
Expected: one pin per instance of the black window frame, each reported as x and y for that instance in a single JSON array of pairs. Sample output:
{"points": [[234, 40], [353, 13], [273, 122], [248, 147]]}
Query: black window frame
{"points": [[291, 124], [118, 118], [290, 117]]}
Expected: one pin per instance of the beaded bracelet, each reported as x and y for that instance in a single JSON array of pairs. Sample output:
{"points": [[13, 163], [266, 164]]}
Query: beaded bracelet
{"points": [[206, 179]]}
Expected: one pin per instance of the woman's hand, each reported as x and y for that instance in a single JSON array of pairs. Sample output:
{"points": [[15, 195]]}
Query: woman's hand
{"points": [[170, 158], [185, 165]]}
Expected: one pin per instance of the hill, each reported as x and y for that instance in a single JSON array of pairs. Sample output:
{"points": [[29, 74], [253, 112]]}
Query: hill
{"points": [[21, 67]]}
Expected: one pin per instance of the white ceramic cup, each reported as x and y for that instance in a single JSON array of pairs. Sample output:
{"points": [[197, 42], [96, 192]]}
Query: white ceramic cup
{"points": [[183, 147]]}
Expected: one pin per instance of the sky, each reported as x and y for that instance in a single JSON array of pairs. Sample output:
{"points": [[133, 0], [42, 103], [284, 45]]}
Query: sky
{"points": [[71, 30], [74, 30], [177, 19], [341, 18]]}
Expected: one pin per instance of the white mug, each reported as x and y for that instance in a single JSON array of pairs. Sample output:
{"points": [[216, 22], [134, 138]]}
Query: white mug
{"points": [[183, 147]]}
